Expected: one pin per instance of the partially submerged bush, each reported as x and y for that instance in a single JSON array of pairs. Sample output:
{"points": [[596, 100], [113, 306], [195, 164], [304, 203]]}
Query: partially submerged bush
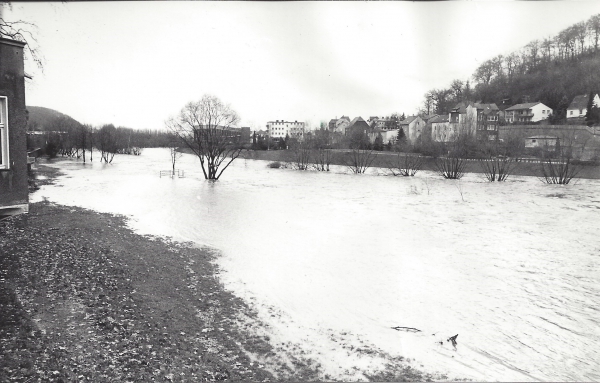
{"points": [[359, 160], [406, 165], [497, 169], [452, 168], [274, 165], [322, 158], [559, 172]]}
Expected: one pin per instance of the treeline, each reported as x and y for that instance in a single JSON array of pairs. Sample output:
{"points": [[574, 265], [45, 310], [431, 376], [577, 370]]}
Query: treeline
{"points": [[65, 136], [552, 70]]}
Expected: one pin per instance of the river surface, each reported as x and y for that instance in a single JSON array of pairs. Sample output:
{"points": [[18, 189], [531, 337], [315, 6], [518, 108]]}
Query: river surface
{"points": [[331, 261]]}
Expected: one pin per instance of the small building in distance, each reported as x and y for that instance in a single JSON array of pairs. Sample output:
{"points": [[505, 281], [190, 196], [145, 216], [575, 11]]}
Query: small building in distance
{"points": [[440, 129], [578, 108], [527, 113], [339, 125], [544, 142], [281, 129], [358, 125], [14, 192], [412, 126]]}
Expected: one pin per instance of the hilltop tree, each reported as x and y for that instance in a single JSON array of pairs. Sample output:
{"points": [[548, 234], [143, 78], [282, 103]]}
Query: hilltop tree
{"points": [[205, 127]]}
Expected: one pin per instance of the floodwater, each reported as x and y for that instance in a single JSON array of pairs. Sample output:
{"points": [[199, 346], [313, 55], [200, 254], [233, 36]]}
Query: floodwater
{"points": [[332, 261]]}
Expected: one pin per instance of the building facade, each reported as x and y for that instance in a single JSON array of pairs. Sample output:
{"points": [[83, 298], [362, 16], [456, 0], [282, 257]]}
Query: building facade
{"points": [[14, 193], [487, 121], [283, 129], [578, 108], [339, 125], [527, 113]]}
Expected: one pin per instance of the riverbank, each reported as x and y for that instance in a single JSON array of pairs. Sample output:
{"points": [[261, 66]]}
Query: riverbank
{"points": [[384, 159], [82, 297]]}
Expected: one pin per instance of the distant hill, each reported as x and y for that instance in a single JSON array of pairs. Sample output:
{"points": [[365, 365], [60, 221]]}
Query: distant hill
{"points": [[41, 118], [552, 70]]}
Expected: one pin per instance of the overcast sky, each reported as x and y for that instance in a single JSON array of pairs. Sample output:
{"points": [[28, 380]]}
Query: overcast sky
{"points": [[136, 64]]}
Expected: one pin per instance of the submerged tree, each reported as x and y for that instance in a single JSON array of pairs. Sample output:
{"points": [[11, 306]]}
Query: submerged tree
{"points": [[108, 142], [206, 127]]}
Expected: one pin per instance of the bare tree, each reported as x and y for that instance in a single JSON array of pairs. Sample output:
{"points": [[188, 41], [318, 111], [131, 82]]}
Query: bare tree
{"points": [[547, 47], [559, 172], [497, 168], [593, 25], [460, 147], [457, 89], [533, 49], [108, 142], [322, 158], [302, 155], [428, 102], [175, 155], [359, 160], [205, 127], [21, 30], [484, 73], [405, 165]]}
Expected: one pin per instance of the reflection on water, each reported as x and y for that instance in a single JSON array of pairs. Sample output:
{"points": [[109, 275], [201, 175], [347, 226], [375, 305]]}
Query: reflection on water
{"points": [[513, 269]]}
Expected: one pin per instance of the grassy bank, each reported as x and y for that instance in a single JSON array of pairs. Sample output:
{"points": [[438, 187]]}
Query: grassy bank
{"points": [[83, 298], [384, 159]]}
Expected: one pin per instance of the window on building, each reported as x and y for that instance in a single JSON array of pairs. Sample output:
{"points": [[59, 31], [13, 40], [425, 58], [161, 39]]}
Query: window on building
{"points": [[4, 152], [544, 111]]}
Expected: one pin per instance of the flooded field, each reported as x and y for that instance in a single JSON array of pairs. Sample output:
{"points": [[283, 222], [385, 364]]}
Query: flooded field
{"points": [[331, 261]]}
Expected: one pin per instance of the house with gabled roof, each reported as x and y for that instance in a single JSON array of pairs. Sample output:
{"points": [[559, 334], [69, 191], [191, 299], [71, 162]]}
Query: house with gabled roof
{"points": [[357, 125], [339, 125], [578, 107], [463, 119], [14, 188], [413, 127], [527, 112]]}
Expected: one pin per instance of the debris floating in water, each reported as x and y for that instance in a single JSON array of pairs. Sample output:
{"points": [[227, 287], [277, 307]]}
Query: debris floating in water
{"points": [[408, 329]]}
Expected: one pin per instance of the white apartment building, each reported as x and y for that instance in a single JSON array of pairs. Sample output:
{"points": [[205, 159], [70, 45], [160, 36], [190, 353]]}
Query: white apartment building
{"points": [[281, 129]]}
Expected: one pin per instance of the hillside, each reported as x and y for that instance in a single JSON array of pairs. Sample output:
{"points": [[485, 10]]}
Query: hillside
{"points": [[552, 70], [41, 118]]}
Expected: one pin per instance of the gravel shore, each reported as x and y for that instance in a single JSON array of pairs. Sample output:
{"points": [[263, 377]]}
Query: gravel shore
{"points": [[84, 298]]}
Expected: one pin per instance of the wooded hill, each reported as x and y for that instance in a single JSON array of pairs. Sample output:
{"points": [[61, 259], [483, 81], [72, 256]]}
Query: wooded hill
{"points": [[552, 70], [41, 118], [50, 120]]}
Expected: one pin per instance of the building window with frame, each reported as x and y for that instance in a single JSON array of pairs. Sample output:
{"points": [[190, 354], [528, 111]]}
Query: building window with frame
{"points": [[4, 150]]}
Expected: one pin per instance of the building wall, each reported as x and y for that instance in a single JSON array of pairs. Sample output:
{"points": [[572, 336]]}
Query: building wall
{"points": [[13, 181], [341, 125], [585, 141], [441, 132], [280, 129], [540, 112], [548, 143], [415, 128], [580, 113]]}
